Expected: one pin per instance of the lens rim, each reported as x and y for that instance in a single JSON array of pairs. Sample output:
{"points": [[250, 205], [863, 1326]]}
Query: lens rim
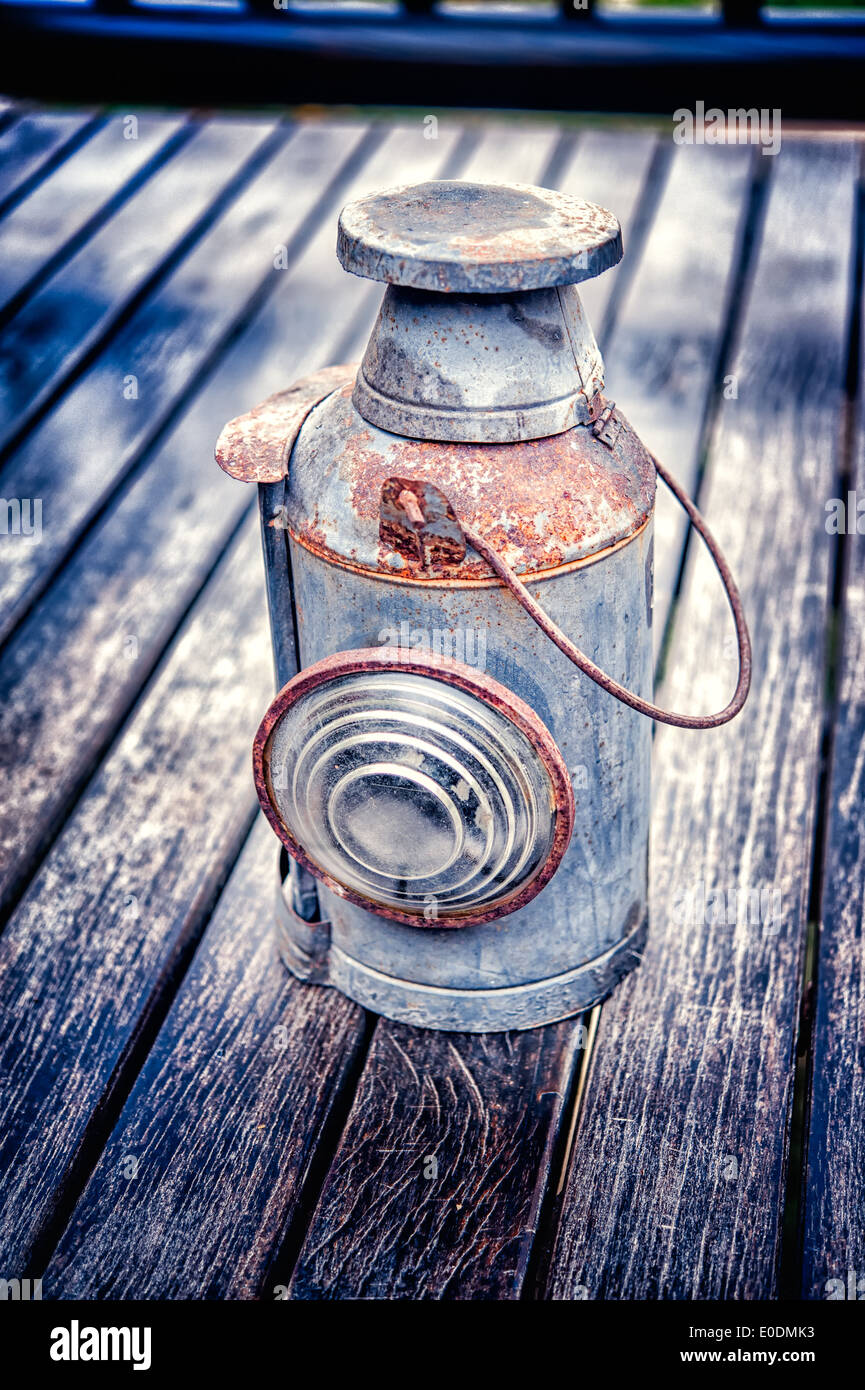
{"points": [[364, 660]]}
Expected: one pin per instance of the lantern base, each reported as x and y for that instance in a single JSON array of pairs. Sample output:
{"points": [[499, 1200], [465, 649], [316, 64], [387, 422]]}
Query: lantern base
{"points": [[307, 951]]}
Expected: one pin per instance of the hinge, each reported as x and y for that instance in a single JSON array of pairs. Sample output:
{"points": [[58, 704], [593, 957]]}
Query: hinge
{"points": [[607, 428]]}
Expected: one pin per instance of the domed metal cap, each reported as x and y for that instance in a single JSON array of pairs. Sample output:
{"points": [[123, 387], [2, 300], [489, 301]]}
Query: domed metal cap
{"points": [[477, 238]]}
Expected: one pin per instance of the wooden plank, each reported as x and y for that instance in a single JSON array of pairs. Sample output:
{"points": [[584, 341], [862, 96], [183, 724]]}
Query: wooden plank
{"points": [[612, 170], [677, 1180], [436, 1188], [68, 203], [488, 1108], [123, 894], [63, 323], [834, 1194], [70, 674], [662, 364], [75, 458], [149, 828], [198, 1184], [32, 144], [516, 152]]}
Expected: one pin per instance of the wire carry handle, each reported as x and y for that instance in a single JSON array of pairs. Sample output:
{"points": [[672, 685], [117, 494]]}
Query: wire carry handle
{"points": [[588, 667]]}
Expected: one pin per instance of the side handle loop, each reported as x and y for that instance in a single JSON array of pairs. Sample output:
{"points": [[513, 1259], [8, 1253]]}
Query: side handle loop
{"points": [[588, 667]]}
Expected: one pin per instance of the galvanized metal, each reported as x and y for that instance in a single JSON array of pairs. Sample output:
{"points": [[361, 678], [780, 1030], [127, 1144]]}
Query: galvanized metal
{"points": [[489, 368], [472, 461], [567, 947], [541, 503]]}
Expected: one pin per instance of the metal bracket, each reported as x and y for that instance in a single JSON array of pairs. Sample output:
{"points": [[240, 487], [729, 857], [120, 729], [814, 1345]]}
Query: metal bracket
{"points": [[256, 447], [607, 428], [594, 406], [418, 521], [304, 946]]}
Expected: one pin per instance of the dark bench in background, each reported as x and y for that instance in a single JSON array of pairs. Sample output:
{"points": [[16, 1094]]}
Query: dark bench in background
{"points": [[545, 56]]}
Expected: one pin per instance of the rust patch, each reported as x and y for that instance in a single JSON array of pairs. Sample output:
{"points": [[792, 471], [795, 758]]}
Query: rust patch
{"points": [[255, 447], [453, 578], [419, 523], [536, 501]]}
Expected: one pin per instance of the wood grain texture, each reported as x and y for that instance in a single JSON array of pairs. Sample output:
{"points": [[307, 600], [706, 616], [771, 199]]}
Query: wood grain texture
{"points": [[75, 457], [677, 1179], [147, 553], [612, 170], [436, 1187], [513, 151], [403, 151], [31, 143], [662, 363], [488, 1108], [678, 1173], [66, 203], [205, 1170], [834, 1196], [125, 890], [66, 319], [72, 671]]}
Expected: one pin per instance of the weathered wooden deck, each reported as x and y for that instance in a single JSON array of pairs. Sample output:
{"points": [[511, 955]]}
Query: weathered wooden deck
{"points": [[181, 1119]]}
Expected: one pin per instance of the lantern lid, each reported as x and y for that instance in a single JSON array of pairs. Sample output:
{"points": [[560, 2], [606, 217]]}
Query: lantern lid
{"points": [[477, 238]]}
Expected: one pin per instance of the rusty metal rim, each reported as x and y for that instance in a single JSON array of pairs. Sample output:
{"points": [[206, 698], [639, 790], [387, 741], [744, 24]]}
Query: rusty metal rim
{"points": [[475, 683], [552, 238], [491, 581]]}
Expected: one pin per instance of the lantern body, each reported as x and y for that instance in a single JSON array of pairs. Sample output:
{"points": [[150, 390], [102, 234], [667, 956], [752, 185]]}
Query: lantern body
{"points": [[569, 945], [467, 814]]}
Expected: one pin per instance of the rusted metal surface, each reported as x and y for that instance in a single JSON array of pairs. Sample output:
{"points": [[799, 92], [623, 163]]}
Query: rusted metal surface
{"points": [[540, 503], [607, 425], [439, 576], [476, 238], [490, 368], [601, 678], [255, 447], [411, 512], [473, 682], [418, 522]]}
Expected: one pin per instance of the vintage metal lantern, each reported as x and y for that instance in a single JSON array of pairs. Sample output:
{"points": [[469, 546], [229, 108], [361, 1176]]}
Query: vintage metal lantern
{"points": [[458, 545]]}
